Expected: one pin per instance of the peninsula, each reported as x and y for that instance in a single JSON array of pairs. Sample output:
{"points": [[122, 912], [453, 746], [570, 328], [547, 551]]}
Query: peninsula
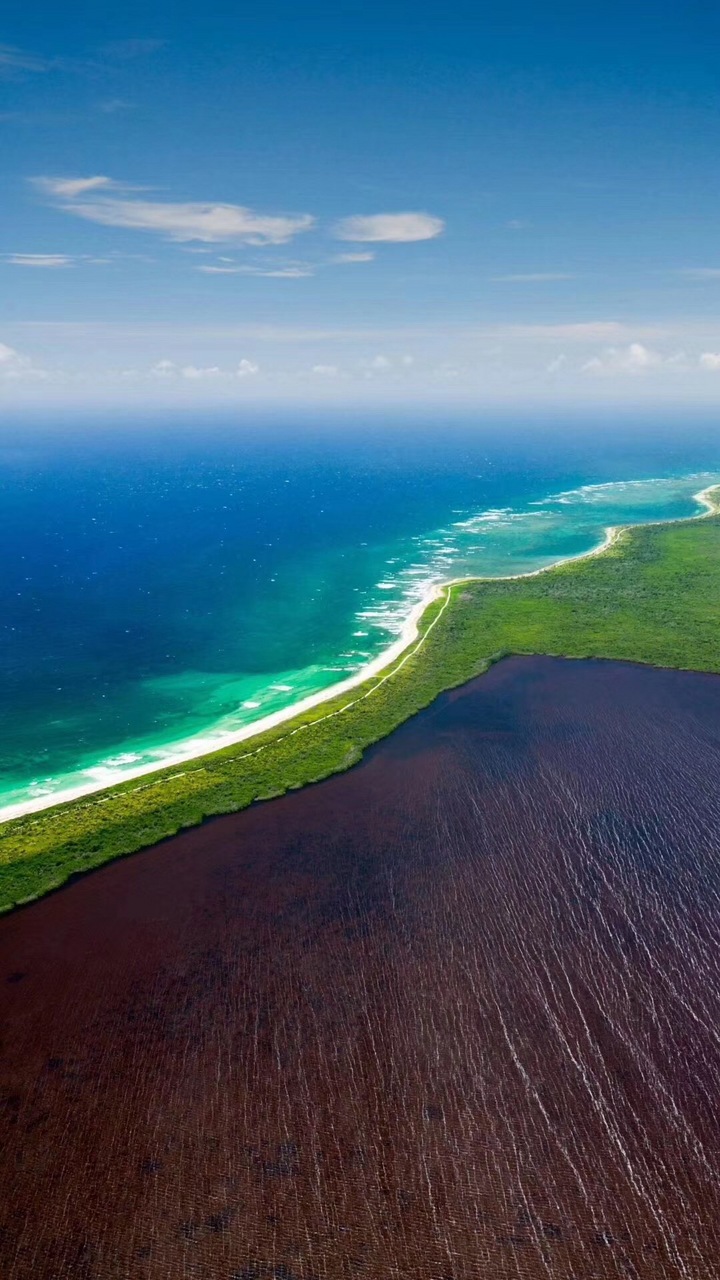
{"points": [[649, 594]]}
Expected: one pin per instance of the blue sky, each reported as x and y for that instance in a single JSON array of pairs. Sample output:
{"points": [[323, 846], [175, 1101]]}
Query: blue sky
{"points": [[468, 202]]}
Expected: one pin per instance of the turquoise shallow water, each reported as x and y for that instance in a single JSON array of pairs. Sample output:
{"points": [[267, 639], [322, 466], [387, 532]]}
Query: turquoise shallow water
{"points": [[153, 592]]}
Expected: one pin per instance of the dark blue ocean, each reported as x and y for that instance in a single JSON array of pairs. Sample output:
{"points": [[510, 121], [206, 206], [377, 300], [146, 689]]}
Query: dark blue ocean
{"points": [[163, 580]]}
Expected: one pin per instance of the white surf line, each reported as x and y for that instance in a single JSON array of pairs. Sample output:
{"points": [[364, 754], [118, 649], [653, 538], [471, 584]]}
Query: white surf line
{"points": [[324, 696], [410, 634]]}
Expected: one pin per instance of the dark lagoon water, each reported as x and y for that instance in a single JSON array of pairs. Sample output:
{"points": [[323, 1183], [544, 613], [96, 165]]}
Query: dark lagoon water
{"points": [[453, 1015], [172, 582]]}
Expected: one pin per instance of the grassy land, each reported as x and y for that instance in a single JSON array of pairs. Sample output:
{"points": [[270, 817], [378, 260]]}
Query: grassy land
{"points": [[653, 597]]}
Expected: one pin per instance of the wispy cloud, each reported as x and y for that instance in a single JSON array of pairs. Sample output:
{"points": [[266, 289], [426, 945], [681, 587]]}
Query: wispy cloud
{"points": [[575, 331], [367, 256], [124, 50], [283, 273], [286, 271], [53, 261], [111, 106], [700, 273], [210, 270], [192, 220], [71, 188], [534, 277], [49, 261], [14, 61], [390, 228], [270, 333], [274, 273]]}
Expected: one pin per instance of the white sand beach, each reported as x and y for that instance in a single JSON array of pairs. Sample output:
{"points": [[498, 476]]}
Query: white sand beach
{"points": [[408, 642]]}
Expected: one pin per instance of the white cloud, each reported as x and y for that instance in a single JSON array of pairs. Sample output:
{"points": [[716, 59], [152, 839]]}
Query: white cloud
{"points": [[111, 106], [192, 220], [71, 188], [482, 362], [517, 224], [219, 271], [395, 228], [211, 223], [164, 369], [191, 371], [557, 364], [168, 369], [381, 363], [701, 273], [9, 357], [13, 365], [49, 260], [283, 273], [13, 60], [634, 358], [368, 256], [378, 364], [275, 273], [533, 277]]}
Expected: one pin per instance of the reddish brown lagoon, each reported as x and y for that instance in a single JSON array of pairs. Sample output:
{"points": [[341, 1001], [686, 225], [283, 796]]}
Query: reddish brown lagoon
{"points": [[454, 1015]]}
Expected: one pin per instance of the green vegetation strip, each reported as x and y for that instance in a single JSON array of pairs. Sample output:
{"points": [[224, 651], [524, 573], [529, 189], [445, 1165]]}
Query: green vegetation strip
{"points": [[653, 596]]}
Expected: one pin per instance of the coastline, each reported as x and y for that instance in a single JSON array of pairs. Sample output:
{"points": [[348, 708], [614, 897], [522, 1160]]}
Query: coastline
{"points": [[409, 641]]}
